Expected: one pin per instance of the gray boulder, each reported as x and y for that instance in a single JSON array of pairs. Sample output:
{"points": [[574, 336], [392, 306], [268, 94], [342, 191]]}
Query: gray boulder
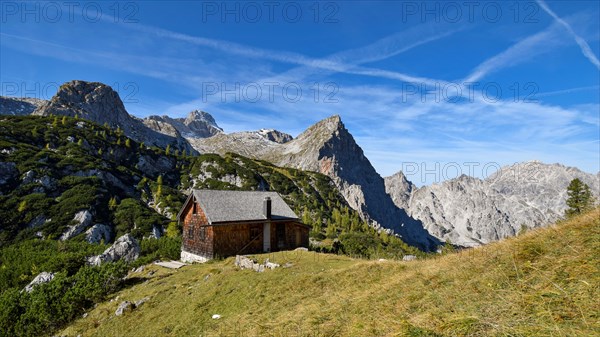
{"points": [[28, 177], [125, 248], [43, 277], [97, 233], [83, 219], [157, 232], [8, 172], [37, 221], [124, 307]]}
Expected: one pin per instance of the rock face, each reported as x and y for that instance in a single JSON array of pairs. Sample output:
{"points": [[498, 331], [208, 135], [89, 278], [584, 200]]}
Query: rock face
{"points": [[275, 136], [469, 211], [125, 248], [198, 124], [82, 219], [98, 233], [8, 172], [43, 277], [99, 103], [19, 106], [248, 144]]}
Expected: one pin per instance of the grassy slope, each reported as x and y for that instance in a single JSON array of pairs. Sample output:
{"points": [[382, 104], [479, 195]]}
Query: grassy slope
{"points": [[543, 283]]}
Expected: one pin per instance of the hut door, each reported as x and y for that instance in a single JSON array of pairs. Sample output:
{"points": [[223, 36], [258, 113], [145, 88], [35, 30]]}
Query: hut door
{"points": [[267, 237], [281, 236]]}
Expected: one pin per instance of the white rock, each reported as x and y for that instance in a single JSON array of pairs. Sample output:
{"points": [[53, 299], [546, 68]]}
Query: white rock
{"points": [[124, 307], [97, 233], [43, 277], [125, 248], [216, 316], [83, 220]]}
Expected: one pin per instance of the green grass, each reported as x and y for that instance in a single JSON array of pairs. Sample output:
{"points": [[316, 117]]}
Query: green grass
{"points": [[543, 283]]}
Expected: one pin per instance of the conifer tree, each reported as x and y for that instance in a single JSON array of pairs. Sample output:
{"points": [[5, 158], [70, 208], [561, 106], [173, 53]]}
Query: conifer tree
{"points": [[579, 198]]}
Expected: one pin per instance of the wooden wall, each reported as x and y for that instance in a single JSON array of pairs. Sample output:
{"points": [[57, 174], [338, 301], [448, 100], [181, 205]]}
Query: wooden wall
{"points": [[236, 239], [197, 236]]}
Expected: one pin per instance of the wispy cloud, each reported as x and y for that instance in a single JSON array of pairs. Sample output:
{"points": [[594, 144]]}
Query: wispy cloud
{"points": [[518, 53], [585, 47], [568, 91]]}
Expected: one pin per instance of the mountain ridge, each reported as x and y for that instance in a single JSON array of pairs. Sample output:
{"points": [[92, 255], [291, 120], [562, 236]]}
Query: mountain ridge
{"points": [[520, 196]]}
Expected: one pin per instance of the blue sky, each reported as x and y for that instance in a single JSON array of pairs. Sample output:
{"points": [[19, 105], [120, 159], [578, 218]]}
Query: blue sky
{"points": [[434, 85]]}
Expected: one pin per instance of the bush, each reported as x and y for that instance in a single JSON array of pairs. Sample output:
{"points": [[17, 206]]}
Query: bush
{"points": [[51, 305], [165, 248]]}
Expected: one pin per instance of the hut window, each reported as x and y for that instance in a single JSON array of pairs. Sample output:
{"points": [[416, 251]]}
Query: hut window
{"points": [[190, 232], [202, 233], [195, 208]]}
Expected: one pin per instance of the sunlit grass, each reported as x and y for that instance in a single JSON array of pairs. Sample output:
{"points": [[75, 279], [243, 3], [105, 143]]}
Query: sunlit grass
{"points": [[542, 283]]}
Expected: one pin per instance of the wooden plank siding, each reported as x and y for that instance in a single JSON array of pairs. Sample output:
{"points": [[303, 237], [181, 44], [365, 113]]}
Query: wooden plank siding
{"points": [[198, 235]]}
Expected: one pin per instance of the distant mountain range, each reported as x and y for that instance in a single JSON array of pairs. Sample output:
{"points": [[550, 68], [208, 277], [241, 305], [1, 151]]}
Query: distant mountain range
{"points": [[465, 211]]}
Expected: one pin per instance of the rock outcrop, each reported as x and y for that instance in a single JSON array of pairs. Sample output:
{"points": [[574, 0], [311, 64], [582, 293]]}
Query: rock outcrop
{"points": [[19, 106], [98, 233], [8, 173], [275, 136], [125, 248], [43, 277], [82, 219], [198, 124], [99, 103]]}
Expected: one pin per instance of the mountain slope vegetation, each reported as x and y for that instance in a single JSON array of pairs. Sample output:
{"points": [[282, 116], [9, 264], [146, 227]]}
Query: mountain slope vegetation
{"points": [[544, 282]]}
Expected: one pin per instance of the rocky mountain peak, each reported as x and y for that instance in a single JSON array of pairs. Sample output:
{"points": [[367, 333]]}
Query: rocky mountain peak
{"points": [[402, 188], [275, 136], [94, 101], [330, 124], [202, 116]]}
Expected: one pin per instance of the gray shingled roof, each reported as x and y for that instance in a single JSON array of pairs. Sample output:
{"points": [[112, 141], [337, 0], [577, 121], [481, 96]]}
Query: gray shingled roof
{"points": [[226, 206]]}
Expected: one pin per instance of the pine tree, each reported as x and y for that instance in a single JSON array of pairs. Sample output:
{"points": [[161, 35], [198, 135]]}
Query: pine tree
{"points": [[306, 216], [579, 198], [64, 120], [168, 150], [112, 203], [22, 206], [128, 143]]}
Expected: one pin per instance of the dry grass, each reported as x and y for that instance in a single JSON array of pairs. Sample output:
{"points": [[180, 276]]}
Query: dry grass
{"points": [[543, 283]]}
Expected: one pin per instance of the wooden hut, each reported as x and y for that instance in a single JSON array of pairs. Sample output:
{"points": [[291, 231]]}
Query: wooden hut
{"points": [[226, 223]]}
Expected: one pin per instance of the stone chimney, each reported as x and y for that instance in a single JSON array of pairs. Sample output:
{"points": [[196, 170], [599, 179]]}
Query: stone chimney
{"points": [[267, 207]]}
